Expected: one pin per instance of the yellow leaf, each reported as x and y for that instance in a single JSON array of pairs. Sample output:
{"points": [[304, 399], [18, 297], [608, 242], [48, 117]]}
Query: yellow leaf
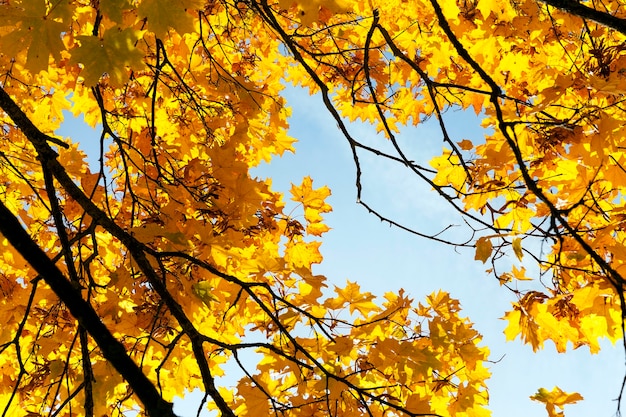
{"points": [[309, 197], [483, 249], [187, 373], [517, 248], [255, 400], [302, 254], [449, 170], [520, 274], [352, 296], [512, 329], [317, 229], [486, 6], [342, 345], [163, 15], [32, 30], [313, 202], [555, 398]]}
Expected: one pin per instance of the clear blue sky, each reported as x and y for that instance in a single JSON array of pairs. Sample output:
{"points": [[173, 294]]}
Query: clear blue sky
{"points": [[361, 248]]}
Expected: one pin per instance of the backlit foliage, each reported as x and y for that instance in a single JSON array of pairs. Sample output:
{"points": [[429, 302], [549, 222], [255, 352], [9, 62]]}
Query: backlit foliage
{"points": [[168, 265]]}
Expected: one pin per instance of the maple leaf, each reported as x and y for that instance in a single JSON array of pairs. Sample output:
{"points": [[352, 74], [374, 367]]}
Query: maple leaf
{"points": [[255, 400], [517, 248], [465, 144], [173, 212], [173, 14], [483, 249], [35, 30], [352, 296], [302, 254], [111, 55], [418, 404], [555, 398], [309, 197], [313, 202]]}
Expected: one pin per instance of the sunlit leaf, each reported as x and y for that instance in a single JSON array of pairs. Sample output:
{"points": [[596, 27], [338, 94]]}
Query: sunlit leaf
{"points": [[555, 398]]}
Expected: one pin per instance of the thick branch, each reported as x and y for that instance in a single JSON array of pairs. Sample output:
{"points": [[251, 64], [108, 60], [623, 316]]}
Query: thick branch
{"points": [[111, 348], [585, 12], [48, 158]]}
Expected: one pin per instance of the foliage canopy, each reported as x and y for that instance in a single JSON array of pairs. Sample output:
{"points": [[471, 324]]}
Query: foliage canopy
{"points": [[125, 284]]}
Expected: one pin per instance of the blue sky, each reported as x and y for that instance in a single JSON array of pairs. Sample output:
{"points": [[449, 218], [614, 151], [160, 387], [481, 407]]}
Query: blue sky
{"points": [[380, 258]]}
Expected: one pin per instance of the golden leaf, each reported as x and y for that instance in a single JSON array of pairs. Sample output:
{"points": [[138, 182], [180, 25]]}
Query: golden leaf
{"points": [[483, 249], [555, 398], [517, 248], [174, 14]]}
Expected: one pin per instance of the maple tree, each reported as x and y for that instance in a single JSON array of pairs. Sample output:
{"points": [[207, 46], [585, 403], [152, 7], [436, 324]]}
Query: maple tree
{"points": [[158, 271]]}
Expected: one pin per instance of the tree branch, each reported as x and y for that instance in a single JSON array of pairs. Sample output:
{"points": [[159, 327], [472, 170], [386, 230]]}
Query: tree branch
{"points": [[585, 12], [48, 159], [112, 349]]}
